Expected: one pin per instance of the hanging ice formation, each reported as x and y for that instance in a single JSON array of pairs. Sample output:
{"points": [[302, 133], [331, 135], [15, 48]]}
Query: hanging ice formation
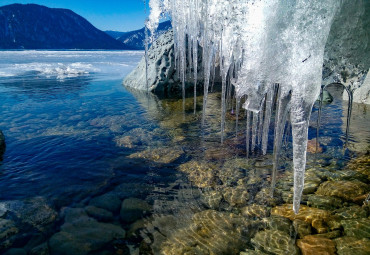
{"points": [[258, 44]]}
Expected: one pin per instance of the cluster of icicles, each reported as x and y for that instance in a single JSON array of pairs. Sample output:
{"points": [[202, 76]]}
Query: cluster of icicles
{"points": [[258, 45]]}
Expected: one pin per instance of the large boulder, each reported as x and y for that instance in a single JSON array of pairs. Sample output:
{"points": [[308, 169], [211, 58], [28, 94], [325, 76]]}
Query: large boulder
{"points": [[161, 70]]}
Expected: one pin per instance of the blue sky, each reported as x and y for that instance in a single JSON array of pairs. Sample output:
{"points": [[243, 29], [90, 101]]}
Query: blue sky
{"points": [[119, 15]]}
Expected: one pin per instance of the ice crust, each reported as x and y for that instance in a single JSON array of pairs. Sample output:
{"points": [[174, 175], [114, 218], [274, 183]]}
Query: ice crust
{"points": [[257, 44]]}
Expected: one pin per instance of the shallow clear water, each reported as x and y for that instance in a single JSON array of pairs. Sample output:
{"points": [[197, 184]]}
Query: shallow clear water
{"points": [[73, 133]]}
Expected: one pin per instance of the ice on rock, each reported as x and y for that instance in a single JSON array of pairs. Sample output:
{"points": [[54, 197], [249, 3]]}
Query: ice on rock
{"points": [[257, 44]]}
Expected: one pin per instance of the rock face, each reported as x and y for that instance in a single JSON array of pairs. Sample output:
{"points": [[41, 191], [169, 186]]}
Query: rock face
{"points": [[161, 70], [34, 26]]}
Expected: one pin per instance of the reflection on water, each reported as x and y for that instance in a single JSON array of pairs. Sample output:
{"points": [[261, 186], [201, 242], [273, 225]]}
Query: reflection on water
{"points": [[93, 168]]}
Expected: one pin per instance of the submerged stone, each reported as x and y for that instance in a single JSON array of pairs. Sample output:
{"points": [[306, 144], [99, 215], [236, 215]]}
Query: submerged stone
{"points": [[109, 201], [359, 228], [348, 190], [133, 209], [99, 213], [324, 202], [81, 234], [302, 228], [279, 223], [16, 251], [275, 241], [313, 245], [351, 212], [361, 164], [211, 232], [202, 174], [316, 217], [159, 155], [254, 210], [7, 230], [350, 246]]}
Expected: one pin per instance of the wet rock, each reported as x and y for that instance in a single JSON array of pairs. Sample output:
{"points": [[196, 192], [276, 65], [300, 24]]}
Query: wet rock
{"points": [[42, 249], [253, 211], [347, 190], [350, 246], [275, 241], [233, 170], [134, 138], [126, 141], [16, 251], [3, 209], [99, 213], [351, 212], [316, 217], [251, 252], [324, 202], [312, 182], [2, 145], [126, 190], [361, 164], [109, 201], [201, 174], [302, 228], [133, 209], [263, 197], [313, 245], [7, 230], [210, 232], [212, 198], [359, 228], [81, 234], [279, 223], [236, 196], [159, 155], [330, 235], [311, 146]]}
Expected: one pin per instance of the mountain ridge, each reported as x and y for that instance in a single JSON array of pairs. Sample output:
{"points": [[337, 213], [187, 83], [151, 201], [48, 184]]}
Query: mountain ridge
{"points": [[32, 26]]}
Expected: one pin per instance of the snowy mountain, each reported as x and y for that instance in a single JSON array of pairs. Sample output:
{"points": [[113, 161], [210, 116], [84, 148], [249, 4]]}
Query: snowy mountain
{"points": [[34, 26], [135, 39]]}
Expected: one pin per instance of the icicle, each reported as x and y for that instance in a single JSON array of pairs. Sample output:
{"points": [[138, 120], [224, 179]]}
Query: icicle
{"points": [[318, 121], [281, 116], [247, 134], [223, 108], [254, 130], [260, 123], [213, 75], [300, 116], [223, 94], [195, 62], [267, 119], [237, 115], [208, 59]]}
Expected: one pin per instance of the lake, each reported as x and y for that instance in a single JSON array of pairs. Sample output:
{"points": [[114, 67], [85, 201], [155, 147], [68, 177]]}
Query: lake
{"points": [[92, 167]]}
